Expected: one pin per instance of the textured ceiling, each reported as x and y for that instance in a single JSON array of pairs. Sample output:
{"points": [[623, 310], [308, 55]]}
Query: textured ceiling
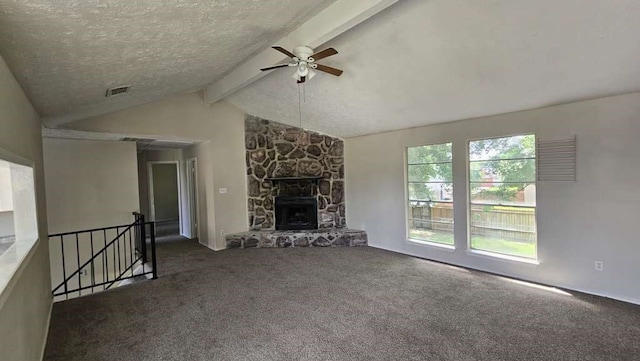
{"points": [[424, 62], [65, 54]]}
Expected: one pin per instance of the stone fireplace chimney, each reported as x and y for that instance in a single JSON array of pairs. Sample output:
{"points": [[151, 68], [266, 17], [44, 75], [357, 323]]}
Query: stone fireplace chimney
{"points": [[279, 164]]}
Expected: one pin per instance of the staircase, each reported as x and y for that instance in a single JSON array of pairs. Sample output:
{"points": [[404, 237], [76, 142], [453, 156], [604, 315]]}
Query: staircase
{"points": [[98, 259]]}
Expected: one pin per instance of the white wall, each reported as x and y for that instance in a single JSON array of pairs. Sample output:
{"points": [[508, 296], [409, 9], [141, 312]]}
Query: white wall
{"points": [[203, 152], [90, 184], [6, 224], [6, 195], [578, 223], [220, 126], [25, 303], [6, 203]]}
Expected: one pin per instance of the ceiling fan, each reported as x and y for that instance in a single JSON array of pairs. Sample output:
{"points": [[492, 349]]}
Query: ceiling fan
{"points": [[305, 60]]}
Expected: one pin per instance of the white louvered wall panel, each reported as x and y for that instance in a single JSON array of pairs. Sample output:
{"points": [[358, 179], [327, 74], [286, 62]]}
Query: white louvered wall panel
{"points": [[557, 160]]}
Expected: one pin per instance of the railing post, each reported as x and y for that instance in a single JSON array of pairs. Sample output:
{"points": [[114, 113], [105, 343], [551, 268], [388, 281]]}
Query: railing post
{"points": [[143, 238], [153, 251], [64, 268]]}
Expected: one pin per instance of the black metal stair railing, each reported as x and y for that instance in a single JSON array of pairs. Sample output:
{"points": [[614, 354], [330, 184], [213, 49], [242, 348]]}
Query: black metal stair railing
{"points": [[124, 256]]}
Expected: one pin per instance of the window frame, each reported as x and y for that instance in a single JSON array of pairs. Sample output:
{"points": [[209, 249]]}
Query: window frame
{"points": [[469, 203], [408, 201]]}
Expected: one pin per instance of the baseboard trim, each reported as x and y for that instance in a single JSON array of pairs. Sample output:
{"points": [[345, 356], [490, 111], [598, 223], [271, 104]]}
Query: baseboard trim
{"points": [[616, 298], [213, 248], [46, 335], [563, 286]]}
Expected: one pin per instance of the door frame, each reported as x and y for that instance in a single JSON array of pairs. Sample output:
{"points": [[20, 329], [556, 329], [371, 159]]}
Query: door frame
{"points": [[192, 196], [152, 208]]}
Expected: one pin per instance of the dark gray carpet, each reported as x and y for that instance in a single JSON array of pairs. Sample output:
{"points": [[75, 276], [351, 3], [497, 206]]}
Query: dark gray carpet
{"points": [[167, 228], [334, 304]]}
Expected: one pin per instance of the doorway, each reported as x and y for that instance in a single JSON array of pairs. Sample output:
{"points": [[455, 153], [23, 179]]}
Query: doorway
{"points": [[164, 196]]}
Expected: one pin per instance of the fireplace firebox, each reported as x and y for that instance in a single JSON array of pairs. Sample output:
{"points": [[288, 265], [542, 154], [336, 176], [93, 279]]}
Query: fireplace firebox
{"points": [[296, 213]]}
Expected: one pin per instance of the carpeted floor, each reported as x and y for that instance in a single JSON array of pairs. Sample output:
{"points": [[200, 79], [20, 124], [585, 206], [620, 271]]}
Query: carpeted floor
{"points": [[334, 304], [167, 228]]}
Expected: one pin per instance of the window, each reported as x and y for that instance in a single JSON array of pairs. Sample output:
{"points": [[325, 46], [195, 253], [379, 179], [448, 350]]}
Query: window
{"points": [[502, 186], [430, 192], [18, 224]]}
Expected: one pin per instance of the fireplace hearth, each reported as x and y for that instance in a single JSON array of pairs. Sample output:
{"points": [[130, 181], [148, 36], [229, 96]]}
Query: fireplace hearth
{"points": [[296, 213]]}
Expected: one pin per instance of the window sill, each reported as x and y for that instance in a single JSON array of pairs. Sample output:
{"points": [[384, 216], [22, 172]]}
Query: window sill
{"points": [[12, 260], [440, 246], [503, 257]]}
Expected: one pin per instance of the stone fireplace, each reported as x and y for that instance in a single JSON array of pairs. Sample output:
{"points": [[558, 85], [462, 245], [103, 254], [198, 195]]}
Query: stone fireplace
{"points": [[285, 162], [295, 189]]}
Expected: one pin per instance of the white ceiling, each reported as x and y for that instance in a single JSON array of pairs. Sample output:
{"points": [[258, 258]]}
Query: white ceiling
{"points": [[65, 54], [424, 62]]}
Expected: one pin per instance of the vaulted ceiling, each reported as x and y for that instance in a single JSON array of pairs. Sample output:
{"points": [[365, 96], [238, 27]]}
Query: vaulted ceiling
{"points": [[65, 54], [424, 62], [415, 63]]}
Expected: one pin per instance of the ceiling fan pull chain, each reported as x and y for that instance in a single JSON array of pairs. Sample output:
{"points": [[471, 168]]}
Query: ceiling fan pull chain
{"points": [[300, 101]]}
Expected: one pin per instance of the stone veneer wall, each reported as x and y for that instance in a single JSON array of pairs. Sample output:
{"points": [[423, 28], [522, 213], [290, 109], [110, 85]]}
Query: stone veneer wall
{"points": [[278, 150]]}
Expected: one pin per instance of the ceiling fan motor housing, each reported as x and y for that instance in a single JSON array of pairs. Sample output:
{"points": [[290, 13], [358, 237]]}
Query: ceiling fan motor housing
{"points": [[303, 52]]}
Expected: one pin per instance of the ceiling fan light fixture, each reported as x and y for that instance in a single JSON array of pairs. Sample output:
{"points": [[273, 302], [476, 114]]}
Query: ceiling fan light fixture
{"points": [[311, 74], [303, 69]]}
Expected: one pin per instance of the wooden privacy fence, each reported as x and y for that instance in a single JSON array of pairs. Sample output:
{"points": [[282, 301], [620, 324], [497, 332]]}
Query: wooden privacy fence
{"points": [[506, 222]]}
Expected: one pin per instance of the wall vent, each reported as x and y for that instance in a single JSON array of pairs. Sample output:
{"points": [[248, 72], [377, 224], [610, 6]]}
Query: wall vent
{"points": [[138, 140], [119, 90], [557, 160]]}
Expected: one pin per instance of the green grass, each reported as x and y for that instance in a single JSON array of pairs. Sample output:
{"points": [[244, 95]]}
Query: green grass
{"points": [[489, 244], [504, 246], [428, 235]]}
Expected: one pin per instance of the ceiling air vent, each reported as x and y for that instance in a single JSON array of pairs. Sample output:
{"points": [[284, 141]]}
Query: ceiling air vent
{"points": [[119, 90], [138, 140]]}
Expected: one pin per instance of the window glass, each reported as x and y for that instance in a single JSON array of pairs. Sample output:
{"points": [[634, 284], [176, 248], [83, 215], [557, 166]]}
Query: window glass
{"points": [[430, 192], [502, 187]]}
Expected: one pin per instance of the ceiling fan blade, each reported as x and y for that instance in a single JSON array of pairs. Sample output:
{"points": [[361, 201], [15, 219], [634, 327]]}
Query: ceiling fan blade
{"points": [[284, 51], [330, 70], [302, 80], [324, 54], [275, 67]]}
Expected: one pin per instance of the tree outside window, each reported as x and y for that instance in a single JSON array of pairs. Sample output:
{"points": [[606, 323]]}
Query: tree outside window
{"points": [[502, 192], [430, 191]]}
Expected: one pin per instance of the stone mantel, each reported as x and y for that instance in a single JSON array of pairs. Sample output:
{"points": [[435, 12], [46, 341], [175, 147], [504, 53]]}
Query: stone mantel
{"points": [[294, 179]]}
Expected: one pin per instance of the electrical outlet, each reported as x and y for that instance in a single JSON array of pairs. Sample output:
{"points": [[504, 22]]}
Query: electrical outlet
{"points": [[223, 232], [362, 227], [222, 190], [599, 265]]}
